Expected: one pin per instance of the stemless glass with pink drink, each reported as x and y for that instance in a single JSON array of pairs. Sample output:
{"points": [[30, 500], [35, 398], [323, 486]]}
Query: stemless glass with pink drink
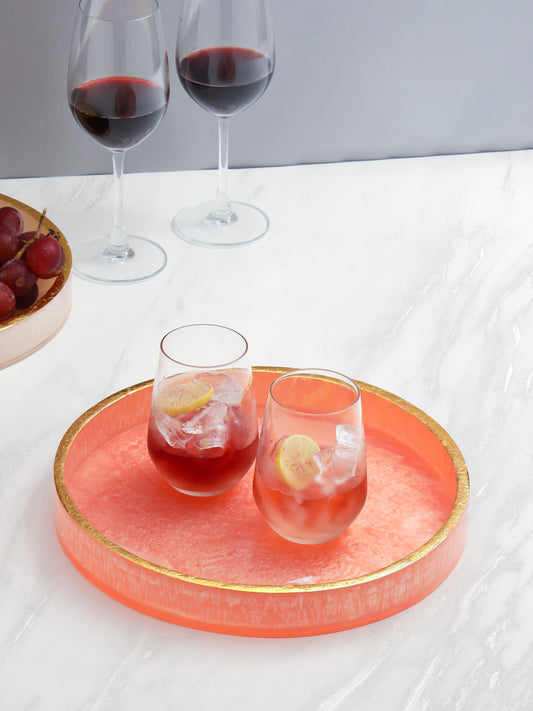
{"points": [[202, 434], [310, 475]]}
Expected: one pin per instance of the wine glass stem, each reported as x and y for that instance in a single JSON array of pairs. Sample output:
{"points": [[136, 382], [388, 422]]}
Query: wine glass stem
{"points": [[118, 244], [221, 207]]}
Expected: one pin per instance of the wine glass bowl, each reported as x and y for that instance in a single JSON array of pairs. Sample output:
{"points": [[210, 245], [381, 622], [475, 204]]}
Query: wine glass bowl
{"points": [[118, 91], [225, 80], [225, 59], [118, 112]]}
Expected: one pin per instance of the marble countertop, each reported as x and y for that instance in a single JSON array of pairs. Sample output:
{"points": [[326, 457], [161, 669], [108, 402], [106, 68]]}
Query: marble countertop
{"points": [[415, 275]]}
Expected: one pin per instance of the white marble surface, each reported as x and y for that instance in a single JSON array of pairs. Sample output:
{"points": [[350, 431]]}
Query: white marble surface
{"points": [[415, 275]]}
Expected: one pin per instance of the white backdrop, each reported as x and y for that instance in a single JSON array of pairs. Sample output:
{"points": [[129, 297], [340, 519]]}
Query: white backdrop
{"points": [[354, 80]]}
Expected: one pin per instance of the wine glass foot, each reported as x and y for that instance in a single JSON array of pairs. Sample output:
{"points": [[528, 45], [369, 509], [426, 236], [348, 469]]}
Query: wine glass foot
{"points": [[94, 260], [197, 225]]}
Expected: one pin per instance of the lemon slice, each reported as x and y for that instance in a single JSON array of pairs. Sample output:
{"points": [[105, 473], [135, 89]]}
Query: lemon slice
{"points": [[295, 461], [185, 397]]}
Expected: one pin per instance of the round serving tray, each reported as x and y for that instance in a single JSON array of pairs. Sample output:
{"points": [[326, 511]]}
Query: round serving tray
{"points": [[214, 564], [26, 331]]}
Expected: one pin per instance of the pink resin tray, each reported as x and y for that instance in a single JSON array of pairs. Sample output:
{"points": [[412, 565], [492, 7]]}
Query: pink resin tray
{"points": [[214, 564]]}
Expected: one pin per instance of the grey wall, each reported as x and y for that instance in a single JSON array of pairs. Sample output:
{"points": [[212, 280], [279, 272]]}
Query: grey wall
{"points": [[355, 79]]}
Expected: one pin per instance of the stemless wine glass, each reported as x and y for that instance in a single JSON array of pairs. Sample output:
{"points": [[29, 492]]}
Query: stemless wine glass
{"points": [[118, 89], [225, 60], [202, 435], [310, 475]]}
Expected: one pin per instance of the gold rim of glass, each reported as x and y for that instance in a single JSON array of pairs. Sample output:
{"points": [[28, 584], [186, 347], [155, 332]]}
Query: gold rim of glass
{"points": [[459, 506]]}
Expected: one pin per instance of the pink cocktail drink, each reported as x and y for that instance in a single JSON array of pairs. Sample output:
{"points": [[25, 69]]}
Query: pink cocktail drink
{"points": [[310, 478]]}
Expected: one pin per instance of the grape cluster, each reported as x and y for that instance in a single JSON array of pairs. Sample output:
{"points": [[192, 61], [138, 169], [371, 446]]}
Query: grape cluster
{"points": [[25, 257]]}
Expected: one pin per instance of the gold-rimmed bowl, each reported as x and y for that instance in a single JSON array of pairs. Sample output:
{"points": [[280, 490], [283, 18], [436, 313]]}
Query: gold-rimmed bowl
{"points": [[26, 331]]}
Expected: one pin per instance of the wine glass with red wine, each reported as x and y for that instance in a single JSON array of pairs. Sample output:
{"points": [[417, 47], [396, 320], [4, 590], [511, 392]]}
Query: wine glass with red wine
{"points": [[118, 89], [225, 60]]}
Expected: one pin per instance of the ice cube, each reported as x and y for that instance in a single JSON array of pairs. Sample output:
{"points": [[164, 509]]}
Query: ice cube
{"points": [[337, 465], [325, 479], [214, 440], [227, 390], [205, 428], [323, 458], [208, 429], [171, 429], [244, 428], [211, 445], [206, 419], [345, 462], [349, 436]]}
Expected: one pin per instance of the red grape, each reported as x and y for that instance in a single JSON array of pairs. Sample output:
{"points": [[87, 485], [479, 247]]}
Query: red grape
{"points": [[28, 299], [9, 245], [45, 256], [27, 237], [23, 260], [7, 301], [11, 221], [18, 276]]}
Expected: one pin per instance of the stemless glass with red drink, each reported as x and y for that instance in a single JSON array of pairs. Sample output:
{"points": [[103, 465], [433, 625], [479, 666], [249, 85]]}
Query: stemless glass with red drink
{"points": [[310, 478], [118, 90], [202, 434], [225, 60]]}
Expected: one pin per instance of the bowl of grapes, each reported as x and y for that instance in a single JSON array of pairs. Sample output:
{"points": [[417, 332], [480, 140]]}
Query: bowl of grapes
{"points": [[35, 280]]}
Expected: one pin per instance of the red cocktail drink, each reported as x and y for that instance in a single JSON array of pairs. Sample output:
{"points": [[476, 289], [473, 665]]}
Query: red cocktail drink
{"points": [[202, 434], [206, 450]]}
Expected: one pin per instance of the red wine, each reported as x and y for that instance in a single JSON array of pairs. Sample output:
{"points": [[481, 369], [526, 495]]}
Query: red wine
{"points": [[225, 80], [118, 112]]}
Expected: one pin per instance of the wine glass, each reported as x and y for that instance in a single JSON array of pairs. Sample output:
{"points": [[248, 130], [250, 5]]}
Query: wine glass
{"points": [[310, 479], [118, 89], [202, 434], [225, 60]]}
